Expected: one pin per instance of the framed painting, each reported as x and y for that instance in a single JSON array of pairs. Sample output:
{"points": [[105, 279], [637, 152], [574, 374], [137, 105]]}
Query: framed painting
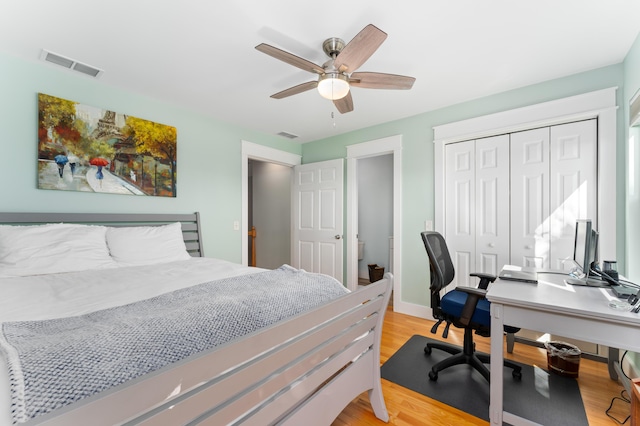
{"points": [[84, 148]]}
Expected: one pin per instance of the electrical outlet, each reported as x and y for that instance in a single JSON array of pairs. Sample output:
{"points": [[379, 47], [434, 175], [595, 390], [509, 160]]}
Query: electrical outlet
{"points": [[236, 225], [428, 225]]}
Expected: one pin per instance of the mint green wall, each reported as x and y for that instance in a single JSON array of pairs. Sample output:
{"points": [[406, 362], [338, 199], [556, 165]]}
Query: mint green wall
{"points": [[418, 159], [209, 154]]}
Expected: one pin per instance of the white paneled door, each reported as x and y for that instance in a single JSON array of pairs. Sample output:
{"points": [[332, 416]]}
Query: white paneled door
{"points": [[553, 183], [530, 198], [477, 205], [460, 229], [492, 204], [573, 190], [317, 217]]}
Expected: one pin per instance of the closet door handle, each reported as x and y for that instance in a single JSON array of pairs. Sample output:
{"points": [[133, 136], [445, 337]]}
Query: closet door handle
{"points": [[528, 247], [492, 245], [337, 237]]}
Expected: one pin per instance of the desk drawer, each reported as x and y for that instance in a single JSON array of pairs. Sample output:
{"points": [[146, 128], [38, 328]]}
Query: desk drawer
{"points": [[585, 347]]}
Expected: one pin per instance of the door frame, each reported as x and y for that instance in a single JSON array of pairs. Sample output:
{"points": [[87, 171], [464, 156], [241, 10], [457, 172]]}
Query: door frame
{"points": [[389, 145], [254, 151], [600, 104]]}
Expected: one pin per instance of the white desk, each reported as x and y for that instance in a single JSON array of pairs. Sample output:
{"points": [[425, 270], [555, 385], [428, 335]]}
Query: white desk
{"points": [[554, 307]]}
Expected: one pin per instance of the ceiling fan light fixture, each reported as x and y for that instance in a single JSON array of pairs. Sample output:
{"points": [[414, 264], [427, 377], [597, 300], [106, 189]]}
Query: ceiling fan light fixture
{"points": [[333, 86]]}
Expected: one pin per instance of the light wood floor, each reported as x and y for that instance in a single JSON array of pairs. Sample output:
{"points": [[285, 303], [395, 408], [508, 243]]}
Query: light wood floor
{"points": [[410, 408]]}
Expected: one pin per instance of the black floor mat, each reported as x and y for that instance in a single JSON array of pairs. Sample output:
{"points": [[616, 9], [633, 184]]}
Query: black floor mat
{"points": [[544, 398]]}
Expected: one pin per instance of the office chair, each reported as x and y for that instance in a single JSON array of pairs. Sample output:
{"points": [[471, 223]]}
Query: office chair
{"points": [[464, 307]]}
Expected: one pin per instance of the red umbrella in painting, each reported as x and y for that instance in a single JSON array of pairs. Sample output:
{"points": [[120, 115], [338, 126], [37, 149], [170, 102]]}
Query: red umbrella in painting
{"points": [[98, 161]]}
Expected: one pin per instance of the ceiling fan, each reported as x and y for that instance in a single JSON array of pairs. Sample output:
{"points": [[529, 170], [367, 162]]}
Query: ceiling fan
{"points": [[337, 74]]}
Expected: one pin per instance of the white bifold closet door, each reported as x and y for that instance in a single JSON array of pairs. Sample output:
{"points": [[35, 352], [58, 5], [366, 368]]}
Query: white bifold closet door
{"points": [[460, 200], [530, 198], [492, 204], [553, 183], [514, 198], [477, 205]]}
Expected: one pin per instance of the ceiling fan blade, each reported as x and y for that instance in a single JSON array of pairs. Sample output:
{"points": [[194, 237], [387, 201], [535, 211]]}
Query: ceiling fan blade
{"points": [[377, 80], [290, 58], [345, 104], [295, 90], [358, 50]]}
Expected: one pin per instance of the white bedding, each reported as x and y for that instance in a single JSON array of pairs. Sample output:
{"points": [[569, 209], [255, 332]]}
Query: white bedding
{"points": [[75, 293]]}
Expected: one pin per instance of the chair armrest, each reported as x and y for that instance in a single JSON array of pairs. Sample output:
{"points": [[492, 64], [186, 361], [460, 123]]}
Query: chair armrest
{"points": [[485, 279], [473, 290], [473, 296]]}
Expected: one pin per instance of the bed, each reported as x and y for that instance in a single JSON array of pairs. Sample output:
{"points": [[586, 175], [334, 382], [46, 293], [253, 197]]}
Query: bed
{"points": [[302, 366]]}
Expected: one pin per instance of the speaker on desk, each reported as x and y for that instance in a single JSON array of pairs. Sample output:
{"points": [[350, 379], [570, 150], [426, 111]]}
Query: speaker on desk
{"points": [[610, 269]]}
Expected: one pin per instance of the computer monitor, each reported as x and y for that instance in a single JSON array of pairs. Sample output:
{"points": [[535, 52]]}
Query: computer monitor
{"points": [[582, 245], [585, 254]]}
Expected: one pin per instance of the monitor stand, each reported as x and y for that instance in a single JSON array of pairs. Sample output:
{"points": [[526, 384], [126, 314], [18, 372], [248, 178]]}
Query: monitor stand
{"points": [[588, 282]]}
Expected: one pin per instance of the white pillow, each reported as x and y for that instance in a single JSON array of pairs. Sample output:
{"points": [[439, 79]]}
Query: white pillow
{"points": [[52, 248], [147, 245]]}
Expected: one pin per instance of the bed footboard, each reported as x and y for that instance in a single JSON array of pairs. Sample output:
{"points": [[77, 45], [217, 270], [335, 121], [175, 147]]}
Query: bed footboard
{"points": [[303, 370]]}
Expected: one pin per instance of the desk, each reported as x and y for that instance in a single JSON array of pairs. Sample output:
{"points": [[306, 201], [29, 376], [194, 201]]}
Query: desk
{"points": [[554, 307]]}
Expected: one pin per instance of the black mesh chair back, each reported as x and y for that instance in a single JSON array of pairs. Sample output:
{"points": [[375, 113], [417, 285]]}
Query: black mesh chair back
{"points": [[442, 270]]}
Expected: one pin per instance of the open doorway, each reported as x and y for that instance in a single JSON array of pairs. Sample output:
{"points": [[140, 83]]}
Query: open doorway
{"points": [[391, 147], [252, 152], [375, 217], [269, 214]]}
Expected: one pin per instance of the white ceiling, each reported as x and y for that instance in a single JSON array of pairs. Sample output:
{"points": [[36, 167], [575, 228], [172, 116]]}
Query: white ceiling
{"points": [[200, 54]]}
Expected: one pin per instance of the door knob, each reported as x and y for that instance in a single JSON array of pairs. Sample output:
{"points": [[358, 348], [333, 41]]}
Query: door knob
{"points": [[337, 237], [528, 247], [492, 245]]}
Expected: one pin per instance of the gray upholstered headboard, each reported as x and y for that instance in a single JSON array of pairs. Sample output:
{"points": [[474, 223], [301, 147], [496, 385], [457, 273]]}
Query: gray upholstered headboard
{"points": [[190, 222]]}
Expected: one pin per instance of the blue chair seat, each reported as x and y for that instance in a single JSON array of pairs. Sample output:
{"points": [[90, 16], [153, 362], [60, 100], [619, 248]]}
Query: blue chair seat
{"points": [[453, 302]]}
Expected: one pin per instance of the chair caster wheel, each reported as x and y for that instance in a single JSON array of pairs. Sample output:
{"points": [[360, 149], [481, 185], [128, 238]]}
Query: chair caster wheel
{"points": [[517, 375], [427, 350], [433, 376]]}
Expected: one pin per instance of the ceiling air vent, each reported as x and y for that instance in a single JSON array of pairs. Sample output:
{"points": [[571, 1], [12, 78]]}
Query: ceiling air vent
{"points": [[71, 64], [287, 135]]}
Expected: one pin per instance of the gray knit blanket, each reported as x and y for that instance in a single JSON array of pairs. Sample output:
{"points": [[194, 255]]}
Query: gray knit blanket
{"points": [[53, 363]]}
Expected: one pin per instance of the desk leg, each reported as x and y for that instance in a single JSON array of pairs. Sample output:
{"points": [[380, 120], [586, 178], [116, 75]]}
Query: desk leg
{"points": [[497, 358], [613, 359]]}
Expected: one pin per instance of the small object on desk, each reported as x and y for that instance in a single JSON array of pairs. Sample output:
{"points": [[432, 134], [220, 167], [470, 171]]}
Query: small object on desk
{"points": [[610, 268], [516, 273], [620, 305], [636, 309], [623, 291]]}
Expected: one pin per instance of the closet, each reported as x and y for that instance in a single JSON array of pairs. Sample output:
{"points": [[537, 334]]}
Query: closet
{"points": [[514, 198]]}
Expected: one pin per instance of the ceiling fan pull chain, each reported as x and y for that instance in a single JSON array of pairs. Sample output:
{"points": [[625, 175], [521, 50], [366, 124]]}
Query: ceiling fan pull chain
{"points": [[334, 119]]}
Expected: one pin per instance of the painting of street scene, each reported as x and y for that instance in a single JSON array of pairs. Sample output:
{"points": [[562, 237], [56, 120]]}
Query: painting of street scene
{"points": [[84, 148]]}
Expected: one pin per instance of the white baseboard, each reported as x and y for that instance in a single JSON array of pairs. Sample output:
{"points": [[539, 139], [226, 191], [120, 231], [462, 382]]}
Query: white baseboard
{"points": [[412, 309]]}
